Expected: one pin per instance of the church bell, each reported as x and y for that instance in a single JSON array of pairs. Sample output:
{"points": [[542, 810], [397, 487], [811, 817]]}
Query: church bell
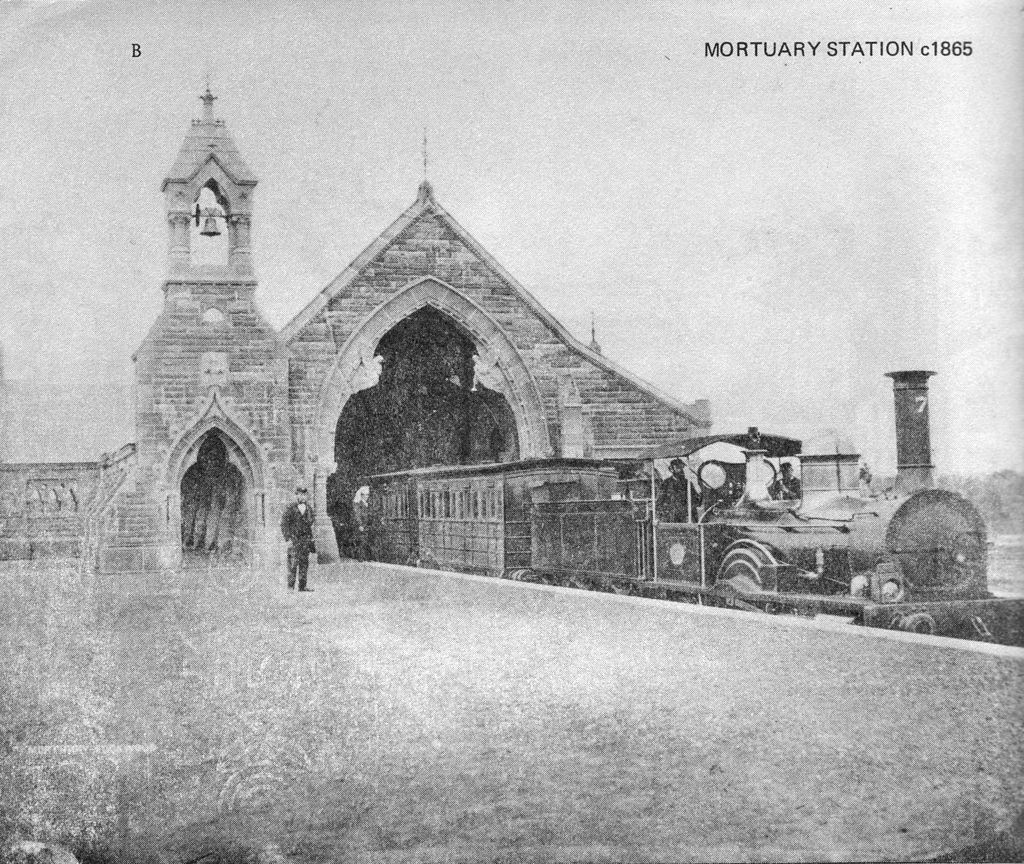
{"points": [[210, 227]]}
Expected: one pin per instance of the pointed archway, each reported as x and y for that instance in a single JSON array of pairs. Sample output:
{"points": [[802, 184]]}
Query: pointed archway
{"points": [[216, 473], [487, 360], [215, 509], [428, 407]]}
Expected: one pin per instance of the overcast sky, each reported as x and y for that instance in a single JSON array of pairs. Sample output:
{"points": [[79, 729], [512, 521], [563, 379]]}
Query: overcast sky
{"points": [[772, 234]]}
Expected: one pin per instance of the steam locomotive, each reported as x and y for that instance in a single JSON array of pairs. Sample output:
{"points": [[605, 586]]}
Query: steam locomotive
{"points": [[743, 536]]}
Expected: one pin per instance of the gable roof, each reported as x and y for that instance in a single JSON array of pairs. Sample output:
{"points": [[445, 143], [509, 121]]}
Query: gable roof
{"points": [[425, 203]]}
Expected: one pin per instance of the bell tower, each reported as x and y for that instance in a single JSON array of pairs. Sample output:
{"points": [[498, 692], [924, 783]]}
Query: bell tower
{"points": [[208, 194], [213, 440]]}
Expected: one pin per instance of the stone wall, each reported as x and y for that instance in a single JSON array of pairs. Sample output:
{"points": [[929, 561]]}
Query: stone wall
{"points": [[44, 508], [56, 509], [619, 415], [210, 362]]}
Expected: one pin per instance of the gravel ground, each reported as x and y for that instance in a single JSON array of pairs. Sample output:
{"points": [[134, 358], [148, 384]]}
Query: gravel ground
{"points": [[406, 716]]}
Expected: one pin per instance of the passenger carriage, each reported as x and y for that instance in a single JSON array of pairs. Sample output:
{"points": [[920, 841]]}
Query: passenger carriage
{"points": [[474, 518]]}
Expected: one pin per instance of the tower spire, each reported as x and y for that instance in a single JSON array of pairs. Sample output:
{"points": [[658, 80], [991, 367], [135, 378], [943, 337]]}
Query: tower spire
{"points": [[594, 346]]}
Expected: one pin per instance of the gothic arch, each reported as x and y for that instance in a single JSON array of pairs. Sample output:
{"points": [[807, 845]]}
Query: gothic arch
{"points": [[509, 374], [227, 190], [247, 460], [238, 440]]}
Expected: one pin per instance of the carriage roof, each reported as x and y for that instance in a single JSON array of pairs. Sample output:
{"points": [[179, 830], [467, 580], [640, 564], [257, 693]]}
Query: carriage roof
{"points": [[777, 446], [490, 468]]}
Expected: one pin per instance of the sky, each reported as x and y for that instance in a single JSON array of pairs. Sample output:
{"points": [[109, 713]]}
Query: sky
{"points": [[773, 234]]}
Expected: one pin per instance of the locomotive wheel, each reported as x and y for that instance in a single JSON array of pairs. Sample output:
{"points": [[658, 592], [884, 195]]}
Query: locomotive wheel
{"points": [[729, 597], [919, 622], [741, 567], [519, 574]]}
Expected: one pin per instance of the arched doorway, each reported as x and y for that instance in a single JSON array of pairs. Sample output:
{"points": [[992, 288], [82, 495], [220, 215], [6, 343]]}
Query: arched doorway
{"points": [[215, 518], [427, 408]]}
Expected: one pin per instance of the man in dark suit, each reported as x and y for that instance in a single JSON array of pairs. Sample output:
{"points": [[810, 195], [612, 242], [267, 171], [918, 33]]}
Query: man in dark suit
{"points": [[672, 499], [297, 528], [786, 487]]}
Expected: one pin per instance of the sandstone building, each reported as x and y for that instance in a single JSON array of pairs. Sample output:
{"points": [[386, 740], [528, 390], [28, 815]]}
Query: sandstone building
{"points": [[423, 351]]}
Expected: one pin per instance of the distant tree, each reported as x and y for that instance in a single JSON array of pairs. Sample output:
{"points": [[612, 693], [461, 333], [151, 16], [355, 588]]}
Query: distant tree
{"points": [[999, 497]]}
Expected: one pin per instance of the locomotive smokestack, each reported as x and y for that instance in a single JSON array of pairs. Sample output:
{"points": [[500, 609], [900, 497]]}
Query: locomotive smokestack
{"points": [[913, 439]]}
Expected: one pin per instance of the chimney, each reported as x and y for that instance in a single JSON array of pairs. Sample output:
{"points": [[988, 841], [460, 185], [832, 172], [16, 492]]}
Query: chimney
{"points": [[3, 409], [913, 440]]}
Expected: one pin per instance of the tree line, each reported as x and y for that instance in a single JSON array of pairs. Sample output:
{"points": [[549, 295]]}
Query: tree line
{"points": [[999, 497]]}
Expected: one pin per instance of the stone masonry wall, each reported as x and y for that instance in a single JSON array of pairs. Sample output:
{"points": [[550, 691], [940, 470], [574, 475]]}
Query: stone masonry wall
{"points": [[621, 415], [44, 508], [209, 340]]}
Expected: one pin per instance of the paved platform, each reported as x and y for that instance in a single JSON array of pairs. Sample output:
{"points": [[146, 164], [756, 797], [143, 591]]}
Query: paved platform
{"points": [[404, 715]]}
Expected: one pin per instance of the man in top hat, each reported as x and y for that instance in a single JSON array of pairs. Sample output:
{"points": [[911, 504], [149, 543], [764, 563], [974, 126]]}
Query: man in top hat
{"points": [[672, 500], [297, 528]]}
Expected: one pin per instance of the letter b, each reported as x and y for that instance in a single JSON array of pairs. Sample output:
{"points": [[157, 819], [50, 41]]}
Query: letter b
{"points": [[136, 49]]}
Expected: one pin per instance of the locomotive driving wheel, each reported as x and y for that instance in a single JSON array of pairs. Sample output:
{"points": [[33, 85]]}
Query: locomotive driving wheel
{"points": [[742, 565]]}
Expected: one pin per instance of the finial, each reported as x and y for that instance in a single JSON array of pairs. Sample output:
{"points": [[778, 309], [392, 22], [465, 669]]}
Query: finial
{"points": [[426, 191], [594, 346], [207, 100]]}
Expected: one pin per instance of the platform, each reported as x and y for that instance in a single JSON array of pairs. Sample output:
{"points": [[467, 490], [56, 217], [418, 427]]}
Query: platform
{"points": [[405, 715]]}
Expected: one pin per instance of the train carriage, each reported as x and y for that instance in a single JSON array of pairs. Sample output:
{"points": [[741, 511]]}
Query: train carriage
{"points": [[474, 518]]}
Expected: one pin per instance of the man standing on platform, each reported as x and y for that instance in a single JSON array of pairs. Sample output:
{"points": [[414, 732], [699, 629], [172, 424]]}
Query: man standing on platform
{"points": [[297, 528]]}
